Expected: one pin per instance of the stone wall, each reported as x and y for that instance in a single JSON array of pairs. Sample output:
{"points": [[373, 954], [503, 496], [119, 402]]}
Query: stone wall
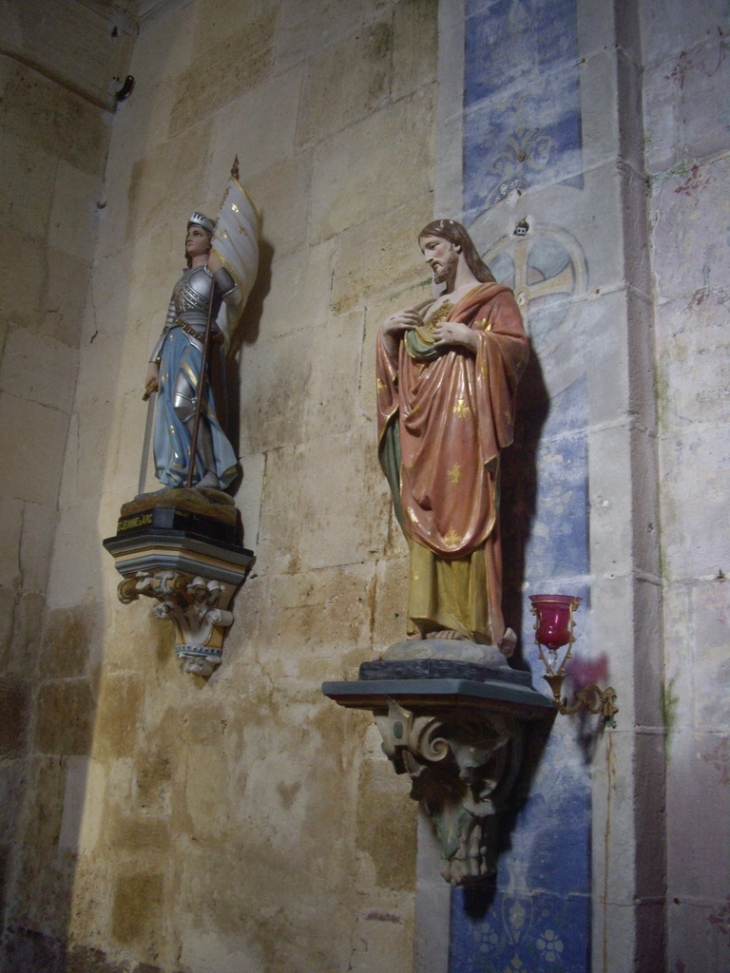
{"points": [[53, 144], [246, 822], [686, 75], [153, 821]]}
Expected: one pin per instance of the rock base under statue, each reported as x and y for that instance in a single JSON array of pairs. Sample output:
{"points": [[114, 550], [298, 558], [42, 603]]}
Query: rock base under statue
{"points": [[207, 513]]}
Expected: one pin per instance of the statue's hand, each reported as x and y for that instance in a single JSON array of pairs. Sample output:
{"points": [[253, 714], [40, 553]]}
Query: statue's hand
{"points": [[214, 263], [151, 378], [396, 324], [449, 333], [405, 320]]}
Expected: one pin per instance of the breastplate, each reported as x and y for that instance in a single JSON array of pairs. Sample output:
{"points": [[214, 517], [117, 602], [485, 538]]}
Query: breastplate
{"points": [[192, 292]]}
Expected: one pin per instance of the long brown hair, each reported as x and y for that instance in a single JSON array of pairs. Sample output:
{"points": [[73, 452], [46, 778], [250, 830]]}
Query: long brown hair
{"points": [[455, 233]]}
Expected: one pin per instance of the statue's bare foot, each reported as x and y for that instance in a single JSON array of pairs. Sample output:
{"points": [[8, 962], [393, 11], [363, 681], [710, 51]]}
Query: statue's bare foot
{"points": [[414, 637], [507, 643], [445, 633]]}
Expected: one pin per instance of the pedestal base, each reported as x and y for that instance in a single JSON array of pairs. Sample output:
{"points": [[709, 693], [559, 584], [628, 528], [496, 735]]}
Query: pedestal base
{"points": [[458, 730], [170, 547]]}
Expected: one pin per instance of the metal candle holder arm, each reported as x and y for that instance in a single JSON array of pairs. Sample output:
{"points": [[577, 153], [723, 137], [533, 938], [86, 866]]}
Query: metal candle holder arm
{"points": [[554, 627]]}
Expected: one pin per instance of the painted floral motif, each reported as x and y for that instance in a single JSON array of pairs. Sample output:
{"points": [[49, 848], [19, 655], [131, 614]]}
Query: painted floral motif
{"points": [[549, 946], [720, 759], [721, 919], [487, 938]]}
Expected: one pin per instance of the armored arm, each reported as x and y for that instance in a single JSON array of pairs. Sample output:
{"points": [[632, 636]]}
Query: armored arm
{"points": [[157, 350], [230, 291]]}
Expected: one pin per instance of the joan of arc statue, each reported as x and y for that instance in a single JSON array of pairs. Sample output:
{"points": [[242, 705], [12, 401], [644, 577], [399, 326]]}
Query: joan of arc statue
{"points": [[175, 366], [447, 373]]}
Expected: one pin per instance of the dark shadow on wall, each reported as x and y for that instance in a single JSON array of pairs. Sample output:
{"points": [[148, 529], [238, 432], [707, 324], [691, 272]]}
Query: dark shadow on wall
{"points": [[518, 501]]}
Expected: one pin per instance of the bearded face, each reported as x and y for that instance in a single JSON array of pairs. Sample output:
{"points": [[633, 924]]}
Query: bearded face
{"points": [[441, 256]]}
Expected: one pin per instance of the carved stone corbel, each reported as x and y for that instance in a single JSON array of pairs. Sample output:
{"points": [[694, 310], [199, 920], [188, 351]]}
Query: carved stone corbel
{"points": [[458, 730], [462, 771], [193, 581], [196, 606]]}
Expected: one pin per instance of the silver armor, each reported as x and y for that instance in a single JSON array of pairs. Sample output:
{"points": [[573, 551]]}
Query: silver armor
{"points": [[189, 303]]}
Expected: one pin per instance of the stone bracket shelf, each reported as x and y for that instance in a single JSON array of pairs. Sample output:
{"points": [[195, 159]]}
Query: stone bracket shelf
{"points": [[191, 579], [460, 740]]}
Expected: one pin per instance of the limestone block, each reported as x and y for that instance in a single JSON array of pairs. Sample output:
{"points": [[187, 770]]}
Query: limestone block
{"points": [[173, 32], [599, 108], [711, 614], [693, 468], [35, 437], [331, 406], [241, 53], [68, 637], [678, 654], [602, 337], [346, 82], [328, 609], [36, 545], [83, 805], [232, 128], [248, 497], [78, 543], [26, 169], [211, 949], [206, 783], [305, 29], [281, 194], [342, 525], [14, 713], [73, 217], [137, 910], [698, 838], [662, 128], [695, 932], [373, 167], [65, 297], [39, 369], [666, 29], [609, 499], [75, 44], [21, 258], [118, 713], [154, 781], [11, 791], [386, 825], [690, 213], [55, 119], [612, 611], [693, 350], [375, 314], [380, 259], [156, 196], [27, 620], [65, 718], [11, 529], [382, 939], [273, 392], [299, 295], [391, 603], [415, 47], [7, 612], [146, 835]]}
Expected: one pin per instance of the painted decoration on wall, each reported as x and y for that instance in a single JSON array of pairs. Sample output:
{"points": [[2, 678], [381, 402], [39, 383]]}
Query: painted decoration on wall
{"points": [[538, 918], [522, 119], [547, 270]]}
